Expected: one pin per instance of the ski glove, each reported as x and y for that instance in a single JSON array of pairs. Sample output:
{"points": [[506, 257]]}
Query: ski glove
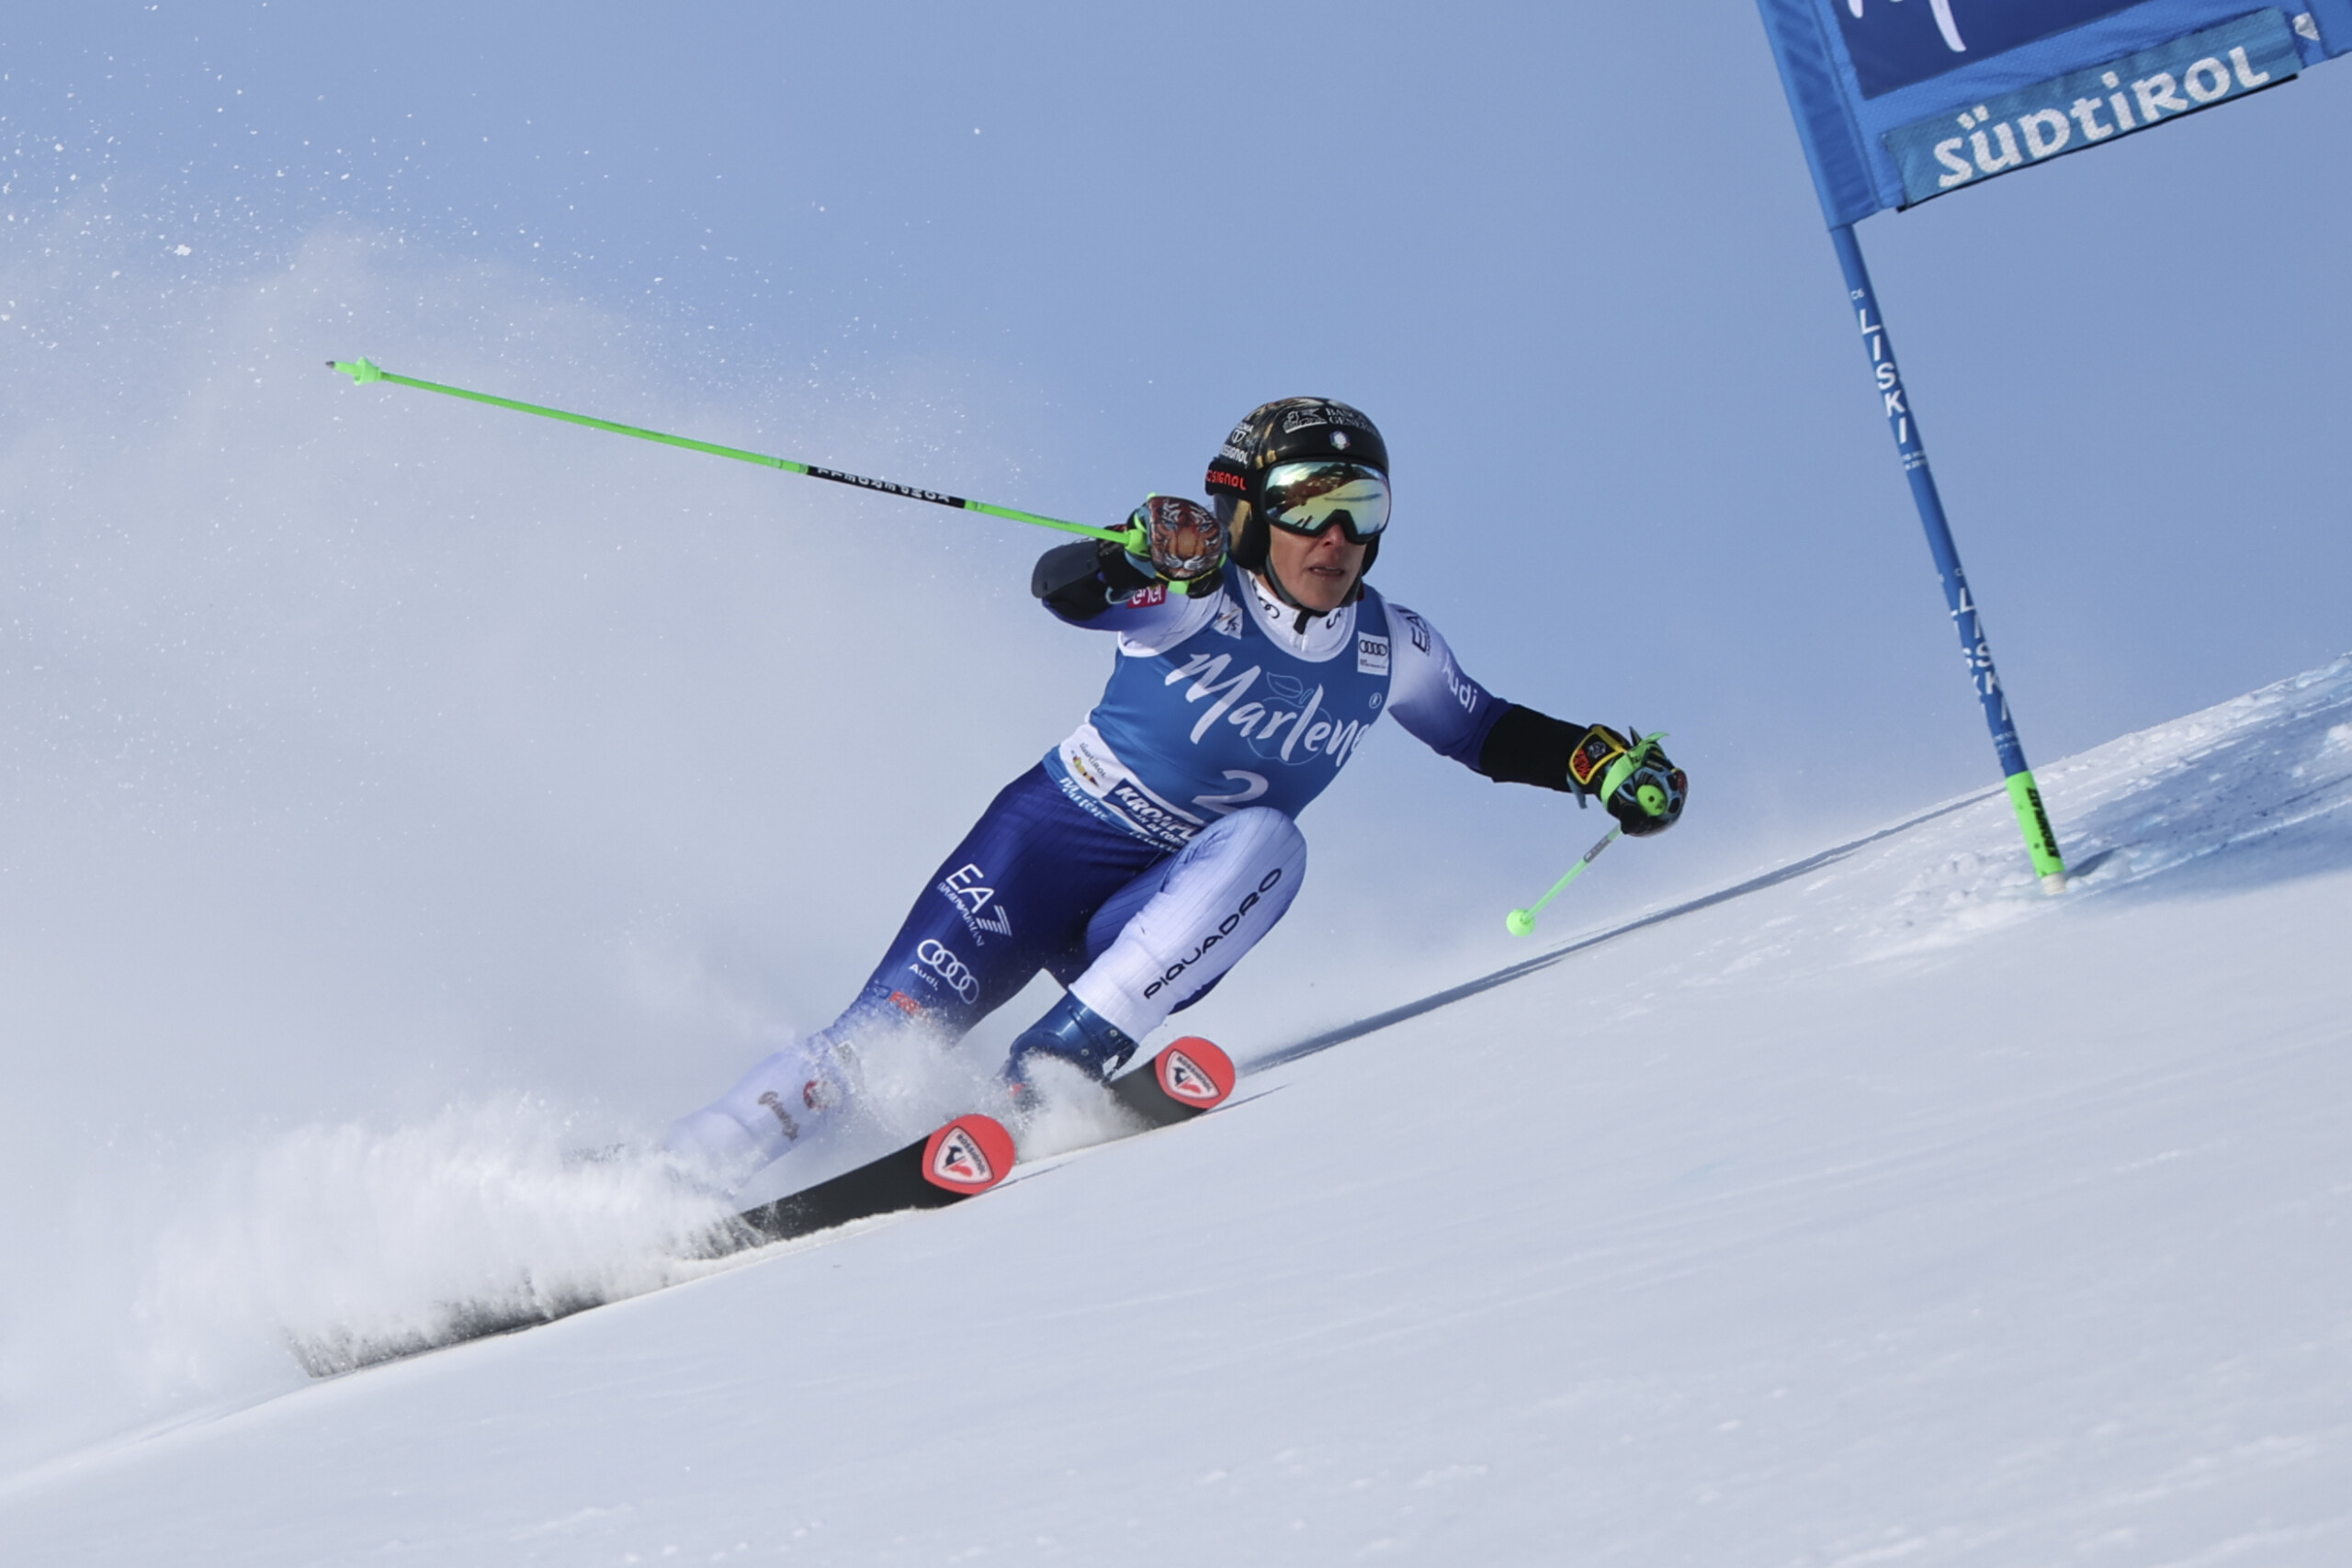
{"points": [[1637, 782], [1178, 542]]}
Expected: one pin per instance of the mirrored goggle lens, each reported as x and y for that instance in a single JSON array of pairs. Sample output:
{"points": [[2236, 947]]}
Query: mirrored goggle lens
{"points": [[1307, 498]]}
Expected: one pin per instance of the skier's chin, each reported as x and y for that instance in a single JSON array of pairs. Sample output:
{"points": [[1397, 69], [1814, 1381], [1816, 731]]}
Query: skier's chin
{"points": [[1322, 590]]}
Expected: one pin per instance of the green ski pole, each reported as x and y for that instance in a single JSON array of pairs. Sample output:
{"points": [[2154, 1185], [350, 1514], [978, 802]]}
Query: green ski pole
{"points": [[1521, 922], [363, 371]]}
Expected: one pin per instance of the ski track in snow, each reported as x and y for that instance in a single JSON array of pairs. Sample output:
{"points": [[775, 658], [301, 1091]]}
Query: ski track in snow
{"points": [[1877, 1209], [2129, 810]]}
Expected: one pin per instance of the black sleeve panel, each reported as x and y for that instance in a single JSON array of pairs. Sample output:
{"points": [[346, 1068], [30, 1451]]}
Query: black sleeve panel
{"points": [[1076, 580], [1527, 747]]}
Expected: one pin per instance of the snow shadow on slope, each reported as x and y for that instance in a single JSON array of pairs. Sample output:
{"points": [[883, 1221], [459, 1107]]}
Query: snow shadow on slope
{"points": [[2243, 795], [2246, 794]]}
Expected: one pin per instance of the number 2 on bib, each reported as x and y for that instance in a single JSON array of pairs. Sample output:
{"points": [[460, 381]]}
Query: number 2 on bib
{"points": [[1252, 787]]}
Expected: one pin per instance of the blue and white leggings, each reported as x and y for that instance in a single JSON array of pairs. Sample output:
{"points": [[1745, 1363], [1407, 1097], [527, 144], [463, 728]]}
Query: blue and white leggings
{"points": [[1040, 883]]}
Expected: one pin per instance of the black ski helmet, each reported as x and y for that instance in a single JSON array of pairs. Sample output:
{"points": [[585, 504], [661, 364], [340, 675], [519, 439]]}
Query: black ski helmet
{"points": [[1290, 431]]}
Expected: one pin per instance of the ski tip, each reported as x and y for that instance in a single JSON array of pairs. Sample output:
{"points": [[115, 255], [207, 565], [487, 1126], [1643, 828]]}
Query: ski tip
{"points": [[1193, 1073], [969, 1155]]}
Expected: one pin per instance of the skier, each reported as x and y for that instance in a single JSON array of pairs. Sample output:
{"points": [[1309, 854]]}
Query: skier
{"points": [[1158, 843]]}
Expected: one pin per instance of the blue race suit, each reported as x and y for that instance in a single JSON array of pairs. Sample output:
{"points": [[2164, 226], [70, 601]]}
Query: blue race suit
{"points": [[1215, 704], [1151, 848]]}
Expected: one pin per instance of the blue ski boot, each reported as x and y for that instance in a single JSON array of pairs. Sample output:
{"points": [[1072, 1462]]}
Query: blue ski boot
{"points": [[1070, 1032]]}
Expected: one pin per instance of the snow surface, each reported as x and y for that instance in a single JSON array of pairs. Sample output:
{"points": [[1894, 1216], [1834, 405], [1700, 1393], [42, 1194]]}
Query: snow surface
{"points": [[1879, 1208]]}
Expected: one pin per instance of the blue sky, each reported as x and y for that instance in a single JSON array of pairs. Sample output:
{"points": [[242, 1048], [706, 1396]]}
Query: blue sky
{"points": [[1571, 262], [1567, 257]]}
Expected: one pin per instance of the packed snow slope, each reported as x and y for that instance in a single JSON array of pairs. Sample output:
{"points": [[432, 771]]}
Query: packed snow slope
{"points": [[1882, 1210]]}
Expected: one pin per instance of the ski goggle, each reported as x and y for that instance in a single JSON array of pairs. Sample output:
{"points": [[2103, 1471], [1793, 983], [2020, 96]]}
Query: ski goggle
{"points": [[1307, 498]]}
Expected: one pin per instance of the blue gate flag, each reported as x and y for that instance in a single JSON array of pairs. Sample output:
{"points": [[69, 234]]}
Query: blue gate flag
{"points": [[1897, 101]]}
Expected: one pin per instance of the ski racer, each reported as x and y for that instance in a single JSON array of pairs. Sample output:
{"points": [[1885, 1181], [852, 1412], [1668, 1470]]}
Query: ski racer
{"points": [[1159, 843]]}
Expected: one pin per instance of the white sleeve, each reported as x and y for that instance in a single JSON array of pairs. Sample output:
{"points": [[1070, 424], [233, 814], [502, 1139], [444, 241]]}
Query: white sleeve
{"points": [[1431, 696]]}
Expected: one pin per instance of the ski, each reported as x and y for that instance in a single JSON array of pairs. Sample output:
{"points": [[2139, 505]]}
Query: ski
{"points": [[962, 1160], [974, 1153], [1187, 1077]]}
